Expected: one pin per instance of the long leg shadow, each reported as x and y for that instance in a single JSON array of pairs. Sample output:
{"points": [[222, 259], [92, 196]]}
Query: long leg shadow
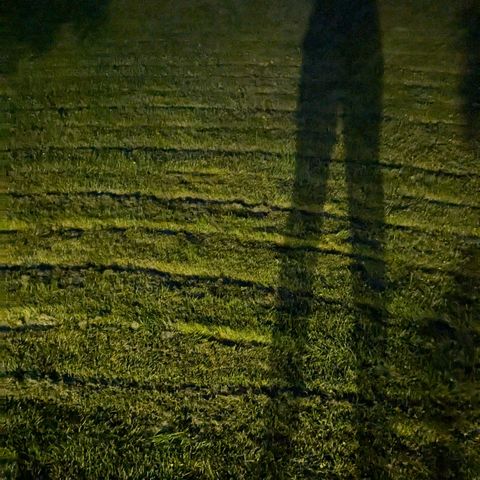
{"points": [[470, 86], [31, 26], [341, 83]]}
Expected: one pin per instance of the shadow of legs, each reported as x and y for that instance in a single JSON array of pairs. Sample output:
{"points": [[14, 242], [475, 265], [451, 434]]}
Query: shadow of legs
{"points": [[316, 135], [470, 86], [362, 121]]}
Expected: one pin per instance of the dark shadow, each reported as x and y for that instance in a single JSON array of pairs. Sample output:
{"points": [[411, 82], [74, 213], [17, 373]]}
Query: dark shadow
{"points": [[31, 26], [453, 334], [453, 330], [341, 86], [470, 86], [26, 328]]}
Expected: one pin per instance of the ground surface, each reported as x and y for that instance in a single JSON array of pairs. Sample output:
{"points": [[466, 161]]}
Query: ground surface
{"points": [[152, 326]]}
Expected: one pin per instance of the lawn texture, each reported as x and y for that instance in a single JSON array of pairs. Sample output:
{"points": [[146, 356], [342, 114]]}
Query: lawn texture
{"points": [[240, 239]]}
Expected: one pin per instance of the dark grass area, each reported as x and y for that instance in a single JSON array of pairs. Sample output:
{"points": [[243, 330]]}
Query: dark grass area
{"points": [[240, 240], [470, 22], [33, 26]]}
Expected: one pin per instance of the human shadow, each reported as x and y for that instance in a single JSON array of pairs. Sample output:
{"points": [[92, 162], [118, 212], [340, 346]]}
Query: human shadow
{"points": [[470, 85], [341, 85], [31, 26]]}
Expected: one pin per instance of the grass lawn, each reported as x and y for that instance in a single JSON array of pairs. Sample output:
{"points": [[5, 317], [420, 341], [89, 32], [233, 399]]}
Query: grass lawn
{"points": [[240, 239]]}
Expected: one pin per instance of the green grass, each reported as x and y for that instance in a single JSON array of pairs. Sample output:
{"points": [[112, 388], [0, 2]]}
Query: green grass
{"points": [[147, 250]]}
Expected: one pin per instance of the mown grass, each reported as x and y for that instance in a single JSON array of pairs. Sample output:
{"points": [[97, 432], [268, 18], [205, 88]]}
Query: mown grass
{"points": [[175, 307]]}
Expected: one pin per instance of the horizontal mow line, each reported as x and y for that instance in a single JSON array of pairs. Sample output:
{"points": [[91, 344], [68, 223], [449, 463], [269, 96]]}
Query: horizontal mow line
{"points": [[206, 392], [146, 107], [252, 94], [257, 209], [193, 173], [77, 232], [188, 66], [73, 232], [193, 236], [238, 123], [427, 53], [228, 153], [155, 198], [172, 74], [197, 152], [96, 90], [29, 328], [105, 128], [199, 39], [173, 279], [231, 208], [192, 128], [162, 174], [142, 108], [257, 132], [220, 334], [181, 280], [188, 33], [426, 70], [208, 74], [163, 387], [253, 77], [62, 109], [169, 202], [439, 202], [252, 82]]}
